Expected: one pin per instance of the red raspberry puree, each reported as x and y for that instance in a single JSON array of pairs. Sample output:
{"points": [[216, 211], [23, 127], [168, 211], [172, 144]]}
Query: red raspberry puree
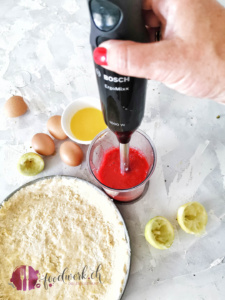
{"points": [[109, 171]]}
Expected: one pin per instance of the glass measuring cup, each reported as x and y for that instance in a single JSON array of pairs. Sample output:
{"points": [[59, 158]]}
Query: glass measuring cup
{"points": [[106, 140]]}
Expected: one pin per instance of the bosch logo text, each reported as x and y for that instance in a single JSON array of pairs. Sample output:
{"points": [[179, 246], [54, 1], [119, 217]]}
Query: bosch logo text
{"points": [[116, 79]]}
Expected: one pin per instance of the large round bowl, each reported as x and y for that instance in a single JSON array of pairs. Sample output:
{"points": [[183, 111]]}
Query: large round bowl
{"points": [[111, 209]]}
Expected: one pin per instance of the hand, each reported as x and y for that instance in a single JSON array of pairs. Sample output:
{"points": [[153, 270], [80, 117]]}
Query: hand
{"points": [[190, 57]]}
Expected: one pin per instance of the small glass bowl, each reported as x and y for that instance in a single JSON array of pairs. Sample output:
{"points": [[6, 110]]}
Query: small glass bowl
{"points": [[106, 140]]}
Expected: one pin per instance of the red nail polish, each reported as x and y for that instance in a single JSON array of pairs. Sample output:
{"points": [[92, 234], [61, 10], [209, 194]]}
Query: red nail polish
{"points": [[100, 56]]}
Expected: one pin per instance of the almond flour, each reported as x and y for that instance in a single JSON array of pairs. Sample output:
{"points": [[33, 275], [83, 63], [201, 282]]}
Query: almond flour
{"points": [[63, 223]]}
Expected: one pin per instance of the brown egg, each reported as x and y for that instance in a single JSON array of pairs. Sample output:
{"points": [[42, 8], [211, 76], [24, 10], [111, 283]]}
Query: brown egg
{"points": [[43, 144], [55, 128], [71, 154], [15, 107]]}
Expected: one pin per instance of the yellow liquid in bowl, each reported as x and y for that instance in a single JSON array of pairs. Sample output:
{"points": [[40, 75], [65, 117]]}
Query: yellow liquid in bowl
{"points": [[87, 123]]}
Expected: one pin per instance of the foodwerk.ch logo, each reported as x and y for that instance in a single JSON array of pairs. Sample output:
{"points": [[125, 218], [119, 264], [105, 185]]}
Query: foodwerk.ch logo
{"points": [[25, 278]]}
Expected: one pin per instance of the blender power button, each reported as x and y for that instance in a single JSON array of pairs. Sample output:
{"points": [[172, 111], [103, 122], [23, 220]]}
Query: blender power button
{"points": [[105, 14]]}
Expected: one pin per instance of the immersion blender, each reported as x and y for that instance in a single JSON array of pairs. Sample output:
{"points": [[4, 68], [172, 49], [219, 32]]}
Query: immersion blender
{"points": [[122, 98]]}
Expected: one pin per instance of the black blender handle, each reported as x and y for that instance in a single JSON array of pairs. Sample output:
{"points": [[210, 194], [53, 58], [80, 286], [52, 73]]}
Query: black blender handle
{"points": [[122, 97], [116, 19]]}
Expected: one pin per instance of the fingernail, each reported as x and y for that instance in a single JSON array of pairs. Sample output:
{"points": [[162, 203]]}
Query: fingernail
{"points": [[100, 56]]}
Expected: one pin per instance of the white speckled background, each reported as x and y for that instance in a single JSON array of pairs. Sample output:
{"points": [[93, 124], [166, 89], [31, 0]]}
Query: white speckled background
{"points": [[50, 40]]}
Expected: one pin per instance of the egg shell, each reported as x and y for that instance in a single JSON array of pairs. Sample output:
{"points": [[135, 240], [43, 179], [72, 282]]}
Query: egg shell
{"points": [[15, 107], [43, 144], [55, 128], [71, 154]]}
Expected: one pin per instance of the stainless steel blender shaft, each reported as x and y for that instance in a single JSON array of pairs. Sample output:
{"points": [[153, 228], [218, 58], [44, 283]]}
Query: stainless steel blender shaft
{"points": [[124, 157]]}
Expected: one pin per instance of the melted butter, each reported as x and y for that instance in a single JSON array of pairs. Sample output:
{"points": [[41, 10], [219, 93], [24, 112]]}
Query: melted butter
{"points": [[87, 123]]}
